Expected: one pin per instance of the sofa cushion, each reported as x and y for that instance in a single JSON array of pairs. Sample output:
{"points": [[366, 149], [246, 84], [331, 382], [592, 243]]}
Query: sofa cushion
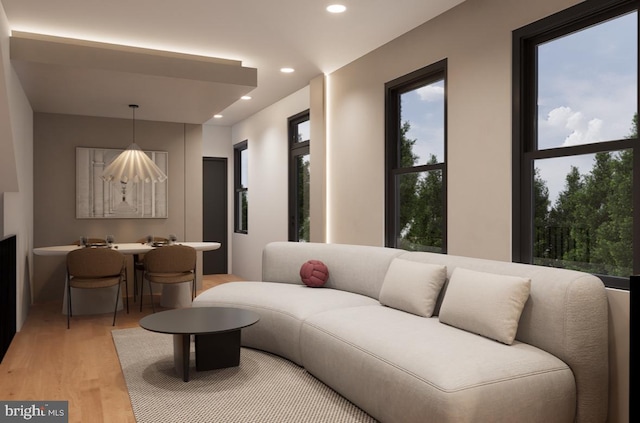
{"points": [[412, 286], [282, 309], [485, 303], [401, 367]]}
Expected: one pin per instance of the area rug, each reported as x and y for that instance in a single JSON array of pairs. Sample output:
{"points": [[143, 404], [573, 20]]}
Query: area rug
{"points": [[264, 388]]}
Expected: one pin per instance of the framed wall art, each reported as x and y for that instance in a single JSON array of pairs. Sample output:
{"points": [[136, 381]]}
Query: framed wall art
{"points": [[98, 199]]}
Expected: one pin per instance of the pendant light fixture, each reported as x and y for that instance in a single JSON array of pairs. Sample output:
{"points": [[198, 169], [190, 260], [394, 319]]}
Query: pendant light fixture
{"points": [[133, 164]]}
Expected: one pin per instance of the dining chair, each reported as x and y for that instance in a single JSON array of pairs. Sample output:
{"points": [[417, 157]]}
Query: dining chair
{"points": [[169, 265], [138, 263], [94, 268]]}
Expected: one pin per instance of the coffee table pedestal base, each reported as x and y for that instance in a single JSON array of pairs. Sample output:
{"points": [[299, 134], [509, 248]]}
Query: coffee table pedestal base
{"points": [[181, 352], [213, 351], [218, 350]]}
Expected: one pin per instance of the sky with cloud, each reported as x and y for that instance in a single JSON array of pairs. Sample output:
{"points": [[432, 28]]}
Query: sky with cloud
{"points": [[587, 88], [423, 108], [587, 93]]}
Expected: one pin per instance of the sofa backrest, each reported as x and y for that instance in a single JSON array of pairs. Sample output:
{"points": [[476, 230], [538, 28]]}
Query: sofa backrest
{"points": [[566, 313], [354, 268]]}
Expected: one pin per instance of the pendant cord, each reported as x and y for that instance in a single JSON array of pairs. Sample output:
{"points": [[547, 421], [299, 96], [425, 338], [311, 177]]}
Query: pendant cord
{"points": [[133, 108]]}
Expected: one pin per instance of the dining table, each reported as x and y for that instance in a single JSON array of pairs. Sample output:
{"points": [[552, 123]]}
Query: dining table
{"points": [[98, 301]]}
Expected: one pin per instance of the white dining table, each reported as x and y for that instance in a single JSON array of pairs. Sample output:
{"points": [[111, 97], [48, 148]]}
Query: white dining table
{"points": [[124, 248], [98, 301]]}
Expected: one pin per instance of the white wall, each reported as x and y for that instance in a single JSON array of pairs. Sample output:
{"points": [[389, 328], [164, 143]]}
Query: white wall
{"points": [[16, 213], [318, 168], [619, 342], [268, 149], [8, 172]]}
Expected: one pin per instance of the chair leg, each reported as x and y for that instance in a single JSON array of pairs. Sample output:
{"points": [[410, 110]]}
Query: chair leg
{"points": [[135, 282], [141, 283], [115, 309], [126, 288], [141, 290], [135, 277], [153, 305], [68, 303]]}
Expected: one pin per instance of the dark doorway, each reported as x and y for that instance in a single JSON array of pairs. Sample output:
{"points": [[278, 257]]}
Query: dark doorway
{"points": [[214, 214]]}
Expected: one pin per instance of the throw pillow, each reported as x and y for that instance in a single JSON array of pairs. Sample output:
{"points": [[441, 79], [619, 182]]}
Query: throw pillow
{"points": [[314, 273], [485, 303], [412, 286]]}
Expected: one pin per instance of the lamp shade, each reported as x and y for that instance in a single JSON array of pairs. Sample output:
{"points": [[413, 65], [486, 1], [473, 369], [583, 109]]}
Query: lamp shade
{"points": [[133, 165]]}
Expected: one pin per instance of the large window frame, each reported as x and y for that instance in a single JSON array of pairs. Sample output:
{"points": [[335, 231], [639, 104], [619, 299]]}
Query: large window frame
{"points": [[393, 92], [525, 150], [298, 148], [241, 208]]}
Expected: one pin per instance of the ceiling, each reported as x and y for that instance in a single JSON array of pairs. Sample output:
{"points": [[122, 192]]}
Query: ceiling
{"points": [[186, 60]]}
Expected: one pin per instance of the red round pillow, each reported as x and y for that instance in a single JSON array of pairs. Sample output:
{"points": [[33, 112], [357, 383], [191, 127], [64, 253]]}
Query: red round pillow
{"points": [[314, 273]]}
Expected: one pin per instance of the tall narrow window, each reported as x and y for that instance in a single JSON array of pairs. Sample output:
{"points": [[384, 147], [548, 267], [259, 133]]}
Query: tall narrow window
{"points": [[416, 160], [576, 141], [241, 187], [299, 162]]}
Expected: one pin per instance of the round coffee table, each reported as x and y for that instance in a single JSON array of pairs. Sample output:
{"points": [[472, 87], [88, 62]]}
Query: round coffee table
{"points": [[217, 333]]}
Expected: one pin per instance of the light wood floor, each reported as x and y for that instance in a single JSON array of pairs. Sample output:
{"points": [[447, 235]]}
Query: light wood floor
{"points": [[48, 362]]}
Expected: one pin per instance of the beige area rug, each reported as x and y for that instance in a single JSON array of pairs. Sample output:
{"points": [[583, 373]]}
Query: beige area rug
{"points": [[264, 388]]}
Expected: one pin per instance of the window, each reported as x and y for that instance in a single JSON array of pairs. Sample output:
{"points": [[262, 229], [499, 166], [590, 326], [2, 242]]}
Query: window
{"points": [[241, 187], [299, 161], [416, 170], [575, 141]]}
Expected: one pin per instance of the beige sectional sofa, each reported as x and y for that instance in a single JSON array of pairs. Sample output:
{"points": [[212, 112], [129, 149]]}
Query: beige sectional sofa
{"points": [[416, 337]]}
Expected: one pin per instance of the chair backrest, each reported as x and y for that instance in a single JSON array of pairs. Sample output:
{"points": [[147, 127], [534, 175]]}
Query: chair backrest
{"points": [[172, 258], [95, 262]]}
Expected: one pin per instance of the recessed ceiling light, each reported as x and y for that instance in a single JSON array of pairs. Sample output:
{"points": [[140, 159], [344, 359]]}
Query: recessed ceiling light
{"points": [[245, 97], [217, 116], [336, 8], [287, 70]]}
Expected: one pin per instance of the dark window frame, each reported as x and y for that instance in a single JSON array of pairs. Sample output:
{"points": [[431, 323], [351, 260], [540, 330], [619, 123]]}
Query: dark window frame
{"points": [[238, 188], [524, 96], [296, 149], [393, 90]]}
